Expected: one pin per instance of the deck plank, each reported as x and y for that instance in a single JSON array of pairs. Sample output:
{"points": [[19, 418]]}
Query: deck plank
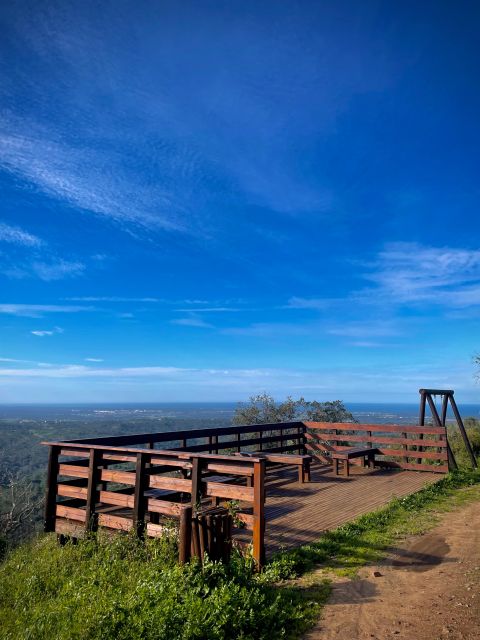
{"points": [[297, 514]]}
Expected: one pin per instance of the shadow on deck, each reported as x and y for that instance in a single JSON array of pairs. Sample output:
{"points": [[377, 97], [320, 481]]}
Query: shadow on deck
{"points": [[297, 514]]}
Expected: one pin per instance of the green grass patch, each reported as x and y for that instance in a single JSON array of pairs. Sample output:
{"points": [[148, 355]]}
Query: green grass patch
{"points": [[125, 589], [368, 538]]}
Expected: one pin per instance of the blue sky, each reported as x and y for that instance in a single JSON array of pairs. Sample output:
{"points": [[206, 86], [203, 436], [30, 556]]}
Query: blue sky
{"points": [[205, 200]]}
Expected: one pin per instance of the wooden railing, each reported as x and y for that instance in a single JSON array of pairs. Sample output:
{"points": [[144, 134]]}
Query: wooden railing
{"points": [[419, 448], [124, 482], [282, 437], [117, 488]]}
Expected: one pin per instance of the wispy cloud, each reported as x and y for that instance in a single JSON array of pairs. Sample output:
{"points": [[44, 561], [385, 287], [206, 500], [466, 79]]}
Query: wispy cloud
{"points": [[192, 322], [38, 310], [76, 175], [58, 270], [410, 273], [93, 359], [18, 236], [366, 329], [310, 303], [41, 333], [112, 299]]}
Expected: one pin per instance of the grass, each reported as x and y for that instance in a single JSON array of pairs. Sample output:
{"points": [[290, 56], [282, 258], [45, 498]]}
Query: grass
{"points": [[125, 589]]}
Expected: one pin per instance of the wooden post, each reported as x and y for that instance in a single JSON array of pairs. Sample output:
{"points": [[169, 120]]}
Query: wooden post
{"points": [[421, 417], [94, 473], [452, 463], [239, 445], [462, 431], [185, 535], [198, 490], [139, 502], [259, 513], [51, 490]]}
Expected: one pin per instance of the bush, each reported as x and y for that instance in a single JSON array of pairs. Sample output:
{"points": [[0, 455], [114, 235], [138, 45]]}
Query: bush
{"points": [[124, 589]]}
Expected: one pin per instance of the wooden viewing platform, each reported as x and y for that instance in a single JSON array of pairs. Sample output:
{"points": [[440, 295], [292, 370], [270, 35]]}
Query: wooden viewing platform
{"points": [[138, 481], [298, 514]]}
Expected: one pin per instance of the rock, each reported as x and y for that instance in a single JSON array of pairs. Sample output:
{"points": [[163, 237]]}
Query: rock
{"points": [[377, 574]]}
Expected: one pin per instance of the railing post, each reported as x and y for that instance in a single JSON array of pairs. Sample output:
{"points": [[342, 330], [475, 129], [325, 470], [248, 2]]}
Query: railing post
{"points": [[139, 501], [51, 489], [198, 490], [259, 512], [94, 474], [185, 535], [421, 416]]}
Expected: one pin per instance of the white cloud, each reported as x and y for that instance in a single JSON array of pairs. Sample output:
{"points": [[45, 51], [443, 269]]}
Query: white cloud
{"points": [[58, 270], [38, 310], [41, 333], [84, 177], [410, 273], [192, 322], [16, 235], [309, 303], [113, 299], [366, 329], [93, 359]]}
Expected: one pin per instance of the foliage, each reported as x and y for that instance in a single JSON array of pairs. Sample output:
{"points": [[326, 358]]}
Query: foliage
{"points": [[263, 409], [125, 589], [472, 427]]}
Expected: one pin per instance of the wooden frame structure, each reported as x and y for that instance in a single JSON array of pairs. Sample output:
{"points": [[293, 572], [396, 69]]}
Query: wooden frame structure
{"points": [[124, 482], [427, 397]]}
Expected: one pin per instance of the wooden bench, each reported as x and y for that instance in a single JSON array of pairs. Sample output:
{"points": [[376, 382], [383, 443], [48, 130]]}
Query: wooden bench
{"points": [[301, 461], [367, 453]]}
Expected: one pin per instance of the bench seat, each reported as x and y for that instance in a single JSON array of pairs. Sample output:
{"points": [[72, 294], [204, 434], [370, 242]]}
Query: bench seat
{"points": [[367, 453], [301, 461]]}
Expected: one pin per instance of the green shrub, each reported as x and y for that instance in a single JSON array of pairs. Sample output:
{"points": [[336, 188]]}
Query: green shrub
{"points": [[124, 589]]}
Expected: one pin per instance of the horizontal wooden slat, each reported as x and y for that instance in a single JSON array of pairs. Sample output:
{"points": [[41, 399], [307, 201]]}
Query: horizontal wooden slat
{"points": [[168, 462], [379, 440], [434, 468], [231, 469], [155, 530], [382, 428], [114, 522], [71, 492], [122, 477], [401, 453], [73, 471], [224, 490], [116, 498], [174, 484], [70, 513], [164, 507], [75, 453], [69, 528], [117, 457]]}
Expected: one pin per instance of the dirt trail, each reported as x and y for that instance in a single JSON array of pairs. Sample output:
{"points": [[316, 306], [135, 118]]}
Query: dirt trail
{"points": [[428, 589]]}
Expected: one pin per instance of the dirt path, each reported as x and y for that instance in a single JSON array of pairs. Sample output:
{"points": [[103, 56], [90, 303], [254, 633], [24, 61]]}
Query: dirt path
{"points": [[429, 589]]}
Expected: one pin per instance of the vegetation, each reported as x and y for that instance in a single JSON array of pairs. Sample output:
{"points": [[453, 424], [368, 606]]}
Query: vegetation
{"points": [[123, 588], [263, 409], [472, 427]]}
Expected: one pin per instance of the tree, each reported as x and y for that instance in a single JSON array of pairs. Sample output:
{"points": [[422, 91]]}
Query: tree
{"points": [[262, 409], [19, 503]]}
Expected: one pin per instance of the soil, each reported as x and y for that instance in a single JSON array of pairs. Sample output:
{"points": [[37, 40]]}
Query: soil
{"points": [[427, 589]]}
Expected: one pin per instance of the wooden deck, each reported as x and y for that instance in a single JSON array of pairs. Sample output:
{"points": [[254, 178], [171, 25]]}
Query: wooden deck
{"points": [[298, 514]]}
